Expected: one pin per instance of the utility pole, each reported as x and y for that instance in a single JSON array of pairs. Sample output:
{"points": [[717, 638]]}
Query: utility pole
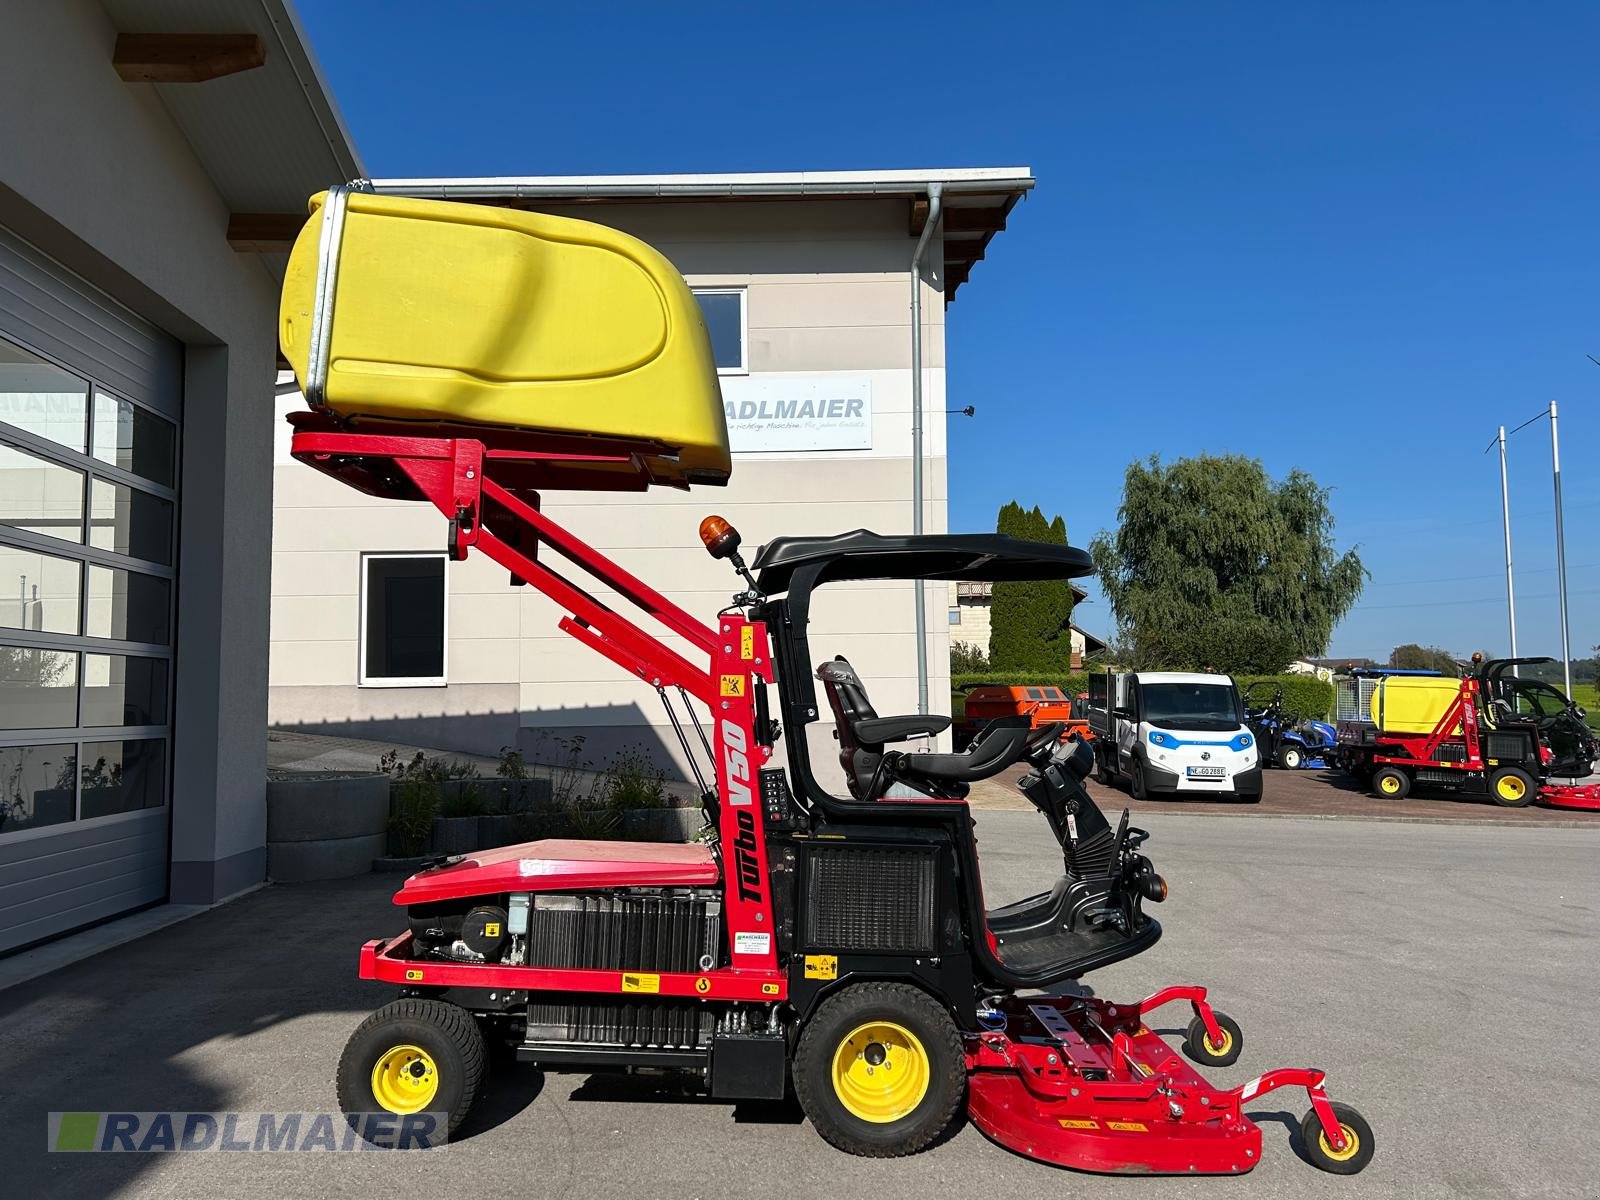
{"points": [[1505, 519], [1561, 547]]}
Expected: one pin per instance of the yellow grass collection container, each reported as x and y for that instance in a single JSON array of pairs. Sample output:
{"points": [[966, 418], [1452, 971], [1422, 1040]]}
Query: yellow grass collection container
{"points": [[462, 314], [1413, 703]]}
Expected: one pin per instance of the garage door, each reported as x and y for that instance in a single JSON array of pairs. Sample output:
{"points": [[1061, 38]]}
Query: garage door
{"points": [[89, 409]]}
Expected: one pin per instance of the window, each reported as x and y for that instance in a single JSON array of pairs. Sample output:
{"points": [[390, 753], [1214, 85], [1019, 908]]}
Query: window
{"points": [[724, 311], [402, 620], [87, 514], [955, 616]]}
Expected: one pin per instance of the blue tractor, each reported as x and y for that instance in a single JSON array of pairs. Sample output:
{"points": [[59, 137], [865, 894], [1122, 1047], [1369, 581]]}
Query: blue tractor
{"points": [[1285, 738]]}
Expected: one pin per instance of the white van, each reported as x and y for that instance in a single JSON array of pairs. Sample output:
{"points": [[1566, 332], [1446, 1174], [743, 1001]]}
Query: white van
{"points": [[1173, 733]]}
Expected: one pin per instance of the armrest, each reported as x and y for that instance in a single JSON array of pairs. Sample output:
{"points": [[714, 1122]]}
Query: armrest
{"points": [[876, 731]]}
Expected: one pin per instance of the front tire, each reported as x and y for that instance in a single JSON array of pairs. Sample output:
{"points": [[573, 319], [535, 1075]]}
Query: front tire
{"points": [[1512, 787], [880, 1070], [1136, 786], [1289, 758], [413, 1056]]}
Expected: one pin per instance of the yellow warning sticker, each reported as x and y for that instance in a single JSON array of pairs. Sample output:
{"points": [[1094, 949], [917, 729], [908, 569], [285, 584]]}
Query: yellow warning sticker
{"points": [[413, 974], [1073, 1123], [640, 983], [1128, 1126], [733, 685], [747, 643], [1144, 1070], [769, 989], [702, 985], [491, 929], [822, 966]]}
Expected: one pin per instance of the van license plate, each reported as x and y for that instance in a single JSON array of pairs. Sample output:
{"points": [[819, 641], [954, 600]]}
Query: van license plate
{"points": [[1206, 772]]}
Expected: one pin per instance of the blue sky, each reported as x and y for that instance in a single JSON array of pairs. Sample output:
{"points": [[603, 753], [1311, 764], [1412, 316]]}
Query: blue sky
{"points": [[1348, 237]]}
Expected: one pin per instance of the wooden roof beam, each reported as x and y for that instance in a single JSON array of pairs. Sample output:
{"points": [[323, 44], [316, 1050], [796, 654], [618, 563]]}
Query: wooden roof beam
{"points": [[264, 233], [185, 57]]}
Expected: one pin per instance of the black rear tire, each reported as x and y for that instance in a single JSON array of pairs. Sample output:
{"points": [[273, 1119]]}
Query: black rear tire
{"points": [[1103, 774], [1349, 1161], [446, 1033], [862, 1124], [1390, 783]]}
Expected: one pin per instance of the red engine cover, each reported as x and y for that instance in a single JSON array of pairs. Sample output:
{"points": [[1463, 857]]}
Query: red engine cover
{"points": [[559, 866]]}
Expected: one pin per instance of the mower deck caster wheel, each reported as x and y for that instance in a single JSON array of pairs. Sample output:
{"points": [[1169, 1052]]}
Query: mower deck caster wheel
{"points": [[1319, 1152], [1199, 1046], [414, 1056], [880, 1069]]}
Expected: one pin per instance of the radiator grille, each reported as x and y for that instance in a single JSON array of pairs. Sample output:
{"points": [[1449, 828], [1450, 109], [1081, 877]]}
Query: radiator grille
{"points": [[1506, 745], [870, 900], [1453, 752], [669, 931], [655, 1024]]}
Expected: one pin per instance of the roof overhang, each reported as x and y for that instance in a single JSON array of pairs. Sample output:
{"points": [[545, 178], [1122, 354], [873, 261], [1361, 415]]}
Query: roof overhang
{"points": [[240, 81], [975, 201]]}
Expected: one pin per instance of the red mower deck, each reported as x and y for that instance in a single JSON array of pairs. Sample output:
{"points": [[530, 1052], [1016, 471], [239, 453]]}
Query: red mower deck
{"points": [[1087, 1084]]}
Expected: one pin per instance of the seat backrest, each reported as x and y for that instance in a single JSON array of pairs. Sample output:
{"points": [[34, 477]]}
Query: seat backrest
{"points": [[847, 696]]}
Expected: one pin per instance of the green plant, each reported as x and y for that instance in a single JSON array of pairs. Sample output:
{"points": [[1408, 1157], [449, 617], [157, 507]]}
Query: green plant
{"points": [[632, 781], [597, 823], [966, 658], [1215, 563], [413, 803], [1030, 620], [465, 799], [436, 769], [512, 765], [571, 781]]}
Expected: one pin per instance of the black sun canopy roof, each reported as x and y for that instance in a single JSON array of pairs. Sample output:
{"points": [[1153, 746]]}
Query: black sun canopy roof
{"points": [[862, 554]]}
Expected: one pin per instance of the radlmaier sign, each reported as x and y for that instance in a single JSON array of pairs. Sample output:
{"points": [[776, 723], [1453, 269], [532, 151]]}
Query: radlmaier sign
{"points": [[785, 414]]}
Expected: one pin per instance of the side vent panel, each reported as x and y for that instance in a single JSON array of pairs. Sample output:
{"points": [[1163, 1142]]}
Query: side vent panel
{"points": [[870, 901]]}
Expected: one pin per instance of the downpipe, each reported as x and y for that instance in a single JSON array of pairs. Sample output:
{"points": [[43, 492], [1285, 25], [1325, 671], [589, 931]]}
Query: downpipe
{"points": [[935, 213]]}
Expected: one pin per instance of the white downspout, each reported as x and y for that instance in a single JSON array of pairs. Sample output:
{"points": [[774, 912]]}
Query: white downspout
{"points": [[935, 211]]}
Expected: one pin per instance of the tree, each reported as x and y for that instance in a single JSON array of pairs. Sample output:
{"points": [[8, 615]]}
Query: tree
{"points": [[967, 659], [1215, 564], [1030, 620], [1412, 657]]}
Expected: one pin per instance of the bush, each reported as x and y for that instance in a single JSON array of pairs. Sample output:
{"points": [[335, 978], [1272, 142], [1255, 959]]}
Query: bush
{"points": [[965, 658], [1303, 694], [413, 804], [633, 781]]}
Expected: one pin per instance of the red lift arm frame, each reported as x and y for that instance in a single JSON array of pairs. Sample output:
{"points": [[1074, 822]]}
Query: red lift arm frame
{"points": [[458, 476]]}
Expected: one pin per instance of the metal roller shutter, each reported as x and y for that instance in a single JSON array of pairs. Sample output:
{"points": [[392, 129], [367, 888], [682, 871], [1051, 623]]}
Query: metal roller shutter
{"points": [[90, 398]]}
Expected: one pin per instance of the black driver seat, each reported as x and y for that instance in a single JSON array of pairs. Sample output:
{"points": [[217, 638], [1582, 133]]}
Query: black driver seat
{"points": [[870, 768]]}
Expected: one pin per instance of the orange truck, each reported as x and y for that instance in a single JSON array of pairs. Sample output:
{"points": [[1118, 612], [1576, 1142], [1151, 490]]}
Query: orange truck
{"points": [[1041, 704]]}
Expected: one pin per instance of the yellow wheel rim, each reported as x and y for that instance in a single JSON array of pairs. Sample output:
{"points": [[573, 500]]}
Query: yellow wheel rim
{"points": [[1352, 1144], [1218, 1048], [405, 1079], [1511, 788], [1389, 784], [880, 1072]]}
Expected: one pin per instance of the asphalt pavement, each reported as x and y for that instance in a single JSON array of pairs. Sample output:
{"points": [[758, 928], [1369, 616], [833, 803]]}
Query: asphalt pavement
{"points": [[1444, 975]]}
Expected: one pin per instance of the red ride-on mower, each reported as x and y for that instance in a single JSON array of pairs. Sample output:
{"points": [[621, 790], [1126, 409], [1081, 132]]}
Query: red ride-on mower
{"points": [[838, 942], [470, 358]]}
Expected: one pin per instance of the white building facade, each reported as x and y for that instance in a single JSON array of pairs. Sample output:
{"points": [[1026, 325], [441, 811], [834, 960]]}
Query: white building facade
{"points": [[805, 282], [142, 143]]}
